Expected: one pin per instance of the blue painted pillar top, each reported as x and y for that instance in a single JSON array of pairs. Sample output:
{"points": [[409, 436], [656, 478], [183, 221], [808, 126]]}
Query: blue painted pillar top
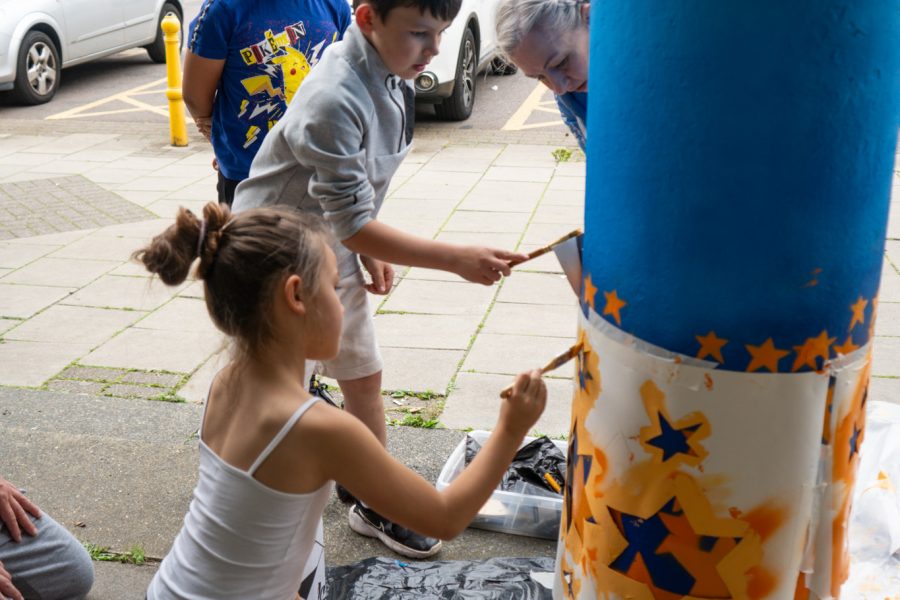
{"points": [[739, 165]]}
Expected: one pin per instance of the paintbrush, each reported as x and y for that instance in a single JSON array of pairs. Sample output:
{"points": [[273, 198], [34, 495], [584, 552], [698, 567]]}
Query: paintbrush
{"points": [[555, 363], [546, 249]]}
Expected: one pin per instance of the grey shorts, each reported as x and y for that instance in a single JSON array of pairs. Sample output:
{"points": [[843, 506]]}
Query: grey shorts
{"points": [[358, 355]]}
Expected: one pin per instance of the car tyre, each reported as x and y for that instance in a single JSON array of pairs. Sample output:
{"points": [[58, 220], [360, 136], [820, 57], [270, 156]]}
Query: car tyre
{"points": [[38, 69], [503, 67], [458, 106], [157, 50]]}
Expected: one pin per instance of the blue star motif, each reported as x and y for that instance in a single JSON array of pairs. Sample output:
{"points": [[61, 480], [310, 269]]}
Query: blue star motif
{"points": [[672, 441], [854, 441]]}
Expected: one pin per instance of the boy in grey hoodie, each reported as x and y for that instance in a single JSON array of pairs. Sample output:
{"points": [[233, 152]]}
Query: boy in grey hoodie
{"points": [[334, 153]]}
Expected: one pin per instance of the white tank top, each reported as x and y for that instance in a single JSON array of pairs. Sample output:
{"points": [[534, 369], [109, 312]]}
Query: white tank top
{"points": [[242, 539]]}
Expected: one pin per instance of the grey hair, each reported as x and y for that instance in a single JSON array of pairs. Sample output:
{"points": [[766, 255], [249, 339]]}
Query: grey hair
{"points": [[517, 18]]}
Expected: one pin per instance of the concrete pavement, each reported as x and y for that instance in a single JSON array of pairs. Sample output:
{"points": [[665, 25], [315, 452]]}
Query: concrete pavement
{"points": [[102, 369]]}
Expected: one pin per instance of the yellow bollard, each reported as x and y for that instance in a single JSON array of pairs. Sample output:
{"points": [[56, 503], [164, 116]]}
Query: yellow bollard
{"points": [[177, 125]]}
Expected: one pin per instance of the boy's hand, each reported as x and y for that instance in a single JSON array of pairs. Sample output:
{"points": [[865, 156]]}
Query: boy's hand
{"points": [[14, 509], [524, 405], [382, 274], [484, 265]]}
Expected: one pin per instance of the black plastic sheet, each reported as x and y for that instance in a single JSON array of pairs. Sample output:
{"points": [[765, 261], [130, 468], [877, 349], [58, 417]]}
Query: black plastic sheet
{"points": [[534, 463], [390, 579]]}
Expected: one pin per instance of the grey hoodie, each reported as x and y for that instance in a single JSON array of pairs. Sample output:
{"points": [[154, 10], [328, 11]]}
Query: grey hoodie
{"points": [[334, 152]]}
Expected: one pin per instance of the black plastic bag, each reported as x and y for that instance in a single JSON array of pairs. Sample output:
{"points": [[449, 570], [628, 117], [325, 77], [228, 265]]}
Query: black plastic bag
{"points": [[536, 463], [390, 579]]}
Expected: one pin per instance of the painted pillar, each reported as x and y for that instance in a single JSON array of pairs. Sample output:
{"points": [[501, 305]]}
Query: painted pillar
{"points": [[739, 164]]}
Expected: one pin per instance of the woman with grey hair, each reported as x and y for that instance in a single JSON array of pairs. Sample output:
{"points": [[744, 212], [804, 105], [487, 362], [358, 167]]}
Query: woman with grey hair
{"points": [[548, 40]]}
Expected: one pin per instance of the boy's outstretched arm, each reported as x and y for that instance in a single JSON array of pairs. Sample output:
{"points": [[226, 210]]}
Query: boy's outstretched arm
{"points": [[478, 264]]}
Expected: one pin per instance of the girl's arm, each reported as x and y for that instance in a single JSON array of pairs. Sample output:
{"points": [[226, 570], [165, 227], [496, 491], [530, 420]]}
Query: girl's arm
{"points": [[351, 455]]}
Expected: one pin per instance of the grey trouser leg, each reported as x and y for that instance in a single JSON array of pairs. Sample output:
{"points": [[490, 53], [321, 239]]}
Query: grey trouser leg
{"points": [[53, 565]]}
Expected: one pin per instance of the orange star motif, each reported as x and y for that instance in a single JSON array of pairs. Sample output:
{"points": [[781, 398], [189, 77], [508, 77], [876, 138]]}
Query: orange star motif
{"points": [[858, 309], [589, 291], [765, 355], [711, 345], [847, 347], [812, 348], [613, 305]]}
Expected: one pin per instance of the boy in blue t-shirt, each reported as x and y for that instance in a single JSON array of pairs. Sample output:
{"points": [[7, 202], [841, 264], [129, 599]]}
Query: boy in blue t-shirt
{"points": [[245, 61]]}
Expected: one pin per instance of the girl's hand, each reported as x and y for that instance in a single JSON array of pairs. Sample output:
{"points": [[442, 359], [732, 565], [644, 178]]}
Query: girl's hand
{"points": [[523, 406]]}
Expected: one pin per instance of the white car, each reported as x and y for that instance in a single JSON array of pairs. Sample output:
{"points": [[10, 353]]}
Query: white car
{"points": [[38, 38], [468, 47]]}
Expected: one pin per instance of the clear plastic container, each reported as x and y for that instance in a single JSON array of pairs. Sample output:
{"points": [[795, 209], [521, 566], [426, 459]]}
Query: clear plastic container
{"points": [[525, 510]]}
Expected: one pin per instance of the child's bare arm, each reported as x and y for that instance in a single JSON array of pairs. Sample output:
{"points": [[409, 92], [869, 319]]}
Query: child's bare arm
{"points": [[350, 454], [201, 78], [475, 263]]}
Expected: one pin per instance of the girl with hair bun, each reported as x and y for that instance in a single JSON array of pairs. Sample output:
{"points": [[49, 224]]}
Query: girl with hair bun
{"points": [[269, 452]]}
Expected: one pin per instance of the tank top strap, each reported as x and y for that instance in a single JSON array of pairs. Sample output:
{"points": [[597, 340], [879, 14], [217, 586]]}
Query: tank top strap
{"points": [[281, 433]]}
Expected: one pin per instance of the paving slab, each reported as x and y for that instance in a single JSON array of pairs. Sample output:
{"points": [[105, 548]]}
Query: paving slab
{"points": [[74, 325], [541, 234], [483, 221], [511, 354], [457, 164], [556, 197], [428, 209], [180, 314], [888, 320], [197, 386], [6, 324], [62, 272], [432, 275], [886, 389], [151, 349], [519, 173], [573, 168], [96, 247], [475, 402], [440, 298], [567, 184], [30, 364], [525, 155], [57, 240], [890, 284], [503, 241], [440, 332], [420, 189], [503, 196], [23, 301], [113, 291], [570, 215], [15, 256], [886, 357], [419, 369], [547, 320], [69, 144], [537, 288]]}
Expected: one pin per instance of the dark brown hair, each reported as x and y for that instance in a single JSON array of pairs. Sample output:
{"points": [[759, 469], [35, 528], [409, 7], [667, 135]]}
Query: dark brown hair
{"points": [[242, 258], [445, 10]]}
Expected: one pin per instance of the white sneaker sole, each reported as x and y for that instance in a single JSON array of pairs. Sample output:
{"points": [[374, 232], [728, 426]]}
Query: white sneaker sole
{"points": [[362, 527]]}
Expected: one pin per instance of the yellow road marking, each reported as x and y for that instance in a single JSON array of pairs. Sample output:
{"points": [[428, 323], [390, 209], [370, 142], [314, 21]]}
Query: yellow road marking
{"points": [[157, 88], [531, 105]]}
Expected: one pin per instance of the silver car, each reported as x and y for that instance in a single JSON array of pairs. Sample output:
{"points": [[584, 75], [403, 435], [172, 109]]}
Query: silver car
{"points": [[38, 38]]}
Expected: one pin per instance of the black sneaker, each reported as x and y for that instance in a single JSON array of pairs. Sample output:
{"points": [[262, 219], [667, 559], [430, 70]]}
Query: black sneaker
{"points": [[369, 523], [343, 495]]}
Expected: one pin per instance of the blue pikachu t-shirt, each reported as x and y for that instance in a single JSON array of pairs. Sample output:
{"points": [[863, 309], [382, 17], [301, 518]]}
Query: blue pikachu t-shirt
{"points": [[268, 46]]}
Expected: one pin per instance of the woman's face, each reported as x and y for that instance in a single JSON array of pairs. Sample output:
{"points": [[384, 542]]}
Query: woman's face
{"points": [[559, 61]]}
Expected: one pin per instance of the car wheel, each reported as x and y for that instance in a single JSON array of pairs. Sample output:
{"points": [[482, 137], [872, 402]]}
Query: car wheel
{"points": [[37, 69], [458, 106], [157, 50], [503, 67]]}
